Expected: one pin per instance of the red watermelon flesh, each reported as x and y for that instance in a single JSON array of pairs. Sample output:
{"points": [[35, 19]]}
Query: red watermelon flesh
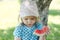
{"points": [[45, 29]]}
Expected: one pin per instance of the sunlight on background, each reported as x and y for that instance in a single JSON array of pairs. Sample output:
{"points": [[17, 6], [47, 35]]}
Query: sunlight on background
{"points": [[55, 4], [54, 19], [9, 10]]}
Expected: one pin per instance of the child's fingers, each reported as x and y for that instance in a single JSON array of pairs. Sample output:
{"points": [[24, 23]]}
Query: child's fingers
{"points": [[48, 30]]}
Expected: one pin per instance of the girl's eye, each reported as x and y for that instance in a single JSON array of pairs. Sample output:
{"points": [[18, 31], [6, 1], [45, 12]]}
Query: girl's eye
{"points": [[32, 18], [26, 19]]}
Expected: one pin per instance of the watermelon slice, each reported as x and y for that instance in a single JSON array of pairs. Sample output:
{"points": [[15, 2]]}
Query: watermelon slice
{"points": [[44, 30]]}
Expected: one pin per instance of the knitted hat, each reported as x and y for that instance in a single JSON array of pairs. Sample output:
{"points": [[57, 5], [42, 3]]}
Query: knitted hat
{"points": [[28, 8]]}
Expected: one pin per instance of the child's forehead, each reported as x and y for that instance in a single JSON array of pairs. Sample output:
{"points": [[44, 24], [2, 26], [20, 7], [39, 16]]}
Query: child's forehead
{"points": [[30, 17]]}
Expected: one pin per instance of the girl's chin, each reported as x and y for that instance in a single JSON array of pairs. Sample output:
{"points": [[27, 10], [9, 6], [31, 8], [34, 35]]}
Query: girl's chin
{"points": [[29, 25]]}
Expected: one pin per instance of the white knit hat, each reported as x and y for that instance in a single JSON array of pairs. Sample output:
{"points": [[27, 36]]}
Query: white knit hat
{"points": [[28, 8]]}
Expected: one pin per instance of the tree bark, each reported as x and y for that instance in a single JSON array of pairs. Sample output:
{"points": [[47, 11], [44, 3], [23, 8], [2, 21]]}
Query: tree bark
{"points": [[43, 7]]}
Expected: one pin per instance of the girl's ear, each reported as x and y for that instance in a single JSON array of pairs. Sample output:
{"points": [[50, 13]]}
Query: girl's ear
{"points": [[19, 19]]}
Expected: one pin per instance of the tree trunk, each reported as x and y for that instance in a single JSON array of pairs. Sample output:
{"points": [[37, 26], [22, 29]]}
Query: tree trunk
{"points": [[43, 7]]}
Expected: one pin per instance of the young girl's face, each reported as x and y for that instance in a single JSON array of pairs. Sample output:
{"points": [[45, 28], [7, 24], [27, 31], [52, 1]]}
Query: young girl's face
{"points": [[29, 20]]}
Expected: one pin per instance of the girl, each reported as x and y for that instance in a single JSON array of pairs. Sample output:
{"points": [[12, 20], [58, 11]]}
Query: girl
{"points": [[29, 16]]}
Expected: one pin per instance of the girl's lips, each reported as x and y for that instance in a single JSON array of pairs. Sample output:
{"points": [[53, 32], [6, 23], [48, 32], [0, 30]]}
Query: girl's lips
{"points": [[29, 24]]}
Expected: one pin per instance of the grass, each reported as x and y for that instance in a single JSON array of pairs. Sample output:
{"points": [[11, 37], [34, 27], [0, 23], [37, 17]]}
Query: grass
{"points": [[6, 34], [54, 12], [55, 33], [54, 24]]}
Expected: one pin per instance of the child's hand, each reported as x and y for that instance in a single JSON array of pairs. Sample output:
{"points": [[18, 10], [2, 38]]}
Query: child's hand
{"points": [[48, 31], [42, 32]]}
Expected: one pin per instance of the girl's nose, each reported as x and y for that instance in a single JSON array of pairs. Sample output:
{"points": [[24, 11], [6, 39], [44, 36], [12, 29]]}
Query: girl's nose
{"points": [[29, 21]]}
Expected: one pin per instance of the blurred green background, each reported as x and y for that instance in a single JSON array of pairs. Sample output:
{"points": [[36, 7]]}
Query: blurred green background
{"points": [[9, 11]]}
